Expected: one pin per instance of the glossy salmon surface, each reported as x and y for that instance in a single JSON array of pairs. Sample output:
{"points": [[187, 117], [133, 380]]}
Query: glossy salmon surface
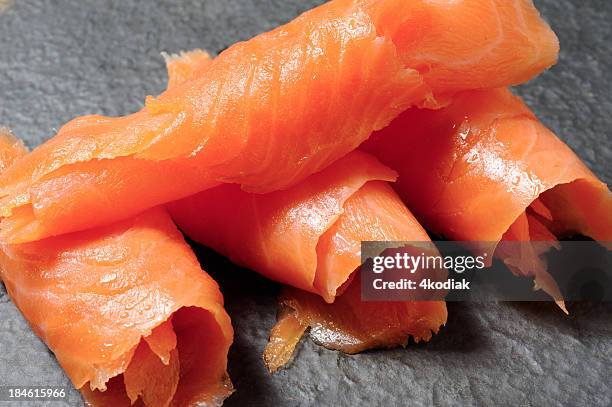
{"points": [[309, 237], [126, 309], [268, 112], [484, 169]]}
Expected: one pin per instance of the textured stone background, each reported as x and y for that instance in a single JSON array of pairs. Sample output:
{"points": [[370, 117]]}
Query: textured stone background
{"points": [[60, 59]]}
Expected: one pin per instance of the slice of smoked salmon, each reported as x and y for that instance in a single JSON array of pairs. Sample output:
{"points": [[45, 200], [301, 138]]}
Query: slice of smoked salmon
{"points": [[373, 213], [127, 299], [288, 236], [309, 237], [126, 309], [349, 324], [268, 112], [484, 169]]}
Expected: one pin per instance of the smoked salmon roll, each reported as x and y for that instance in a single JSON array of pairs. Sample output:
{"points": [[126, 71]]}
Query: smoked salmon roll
{"points": [[126, 309], [484, 169], [268, 112], [309, 237]]}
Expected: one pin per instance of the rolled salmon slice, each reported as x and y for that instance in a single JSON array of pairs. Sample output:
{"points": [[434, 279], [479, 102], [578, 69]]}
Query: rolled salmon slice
{"points": [[288, 236], [484, 169], [309, 237], [268, 112], [350, 325], [126, 309]]}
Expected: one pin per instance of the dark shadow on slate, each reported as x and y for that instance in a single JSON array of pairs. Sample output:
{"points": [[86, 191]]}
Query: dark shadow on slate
{"points": [[253, 315], [461, 333]]}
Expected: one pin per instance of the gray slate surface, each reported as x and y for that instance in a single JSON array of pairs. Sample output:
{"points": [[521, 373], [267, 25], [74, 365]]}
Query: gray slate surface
{"points": [[60, 59]]}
